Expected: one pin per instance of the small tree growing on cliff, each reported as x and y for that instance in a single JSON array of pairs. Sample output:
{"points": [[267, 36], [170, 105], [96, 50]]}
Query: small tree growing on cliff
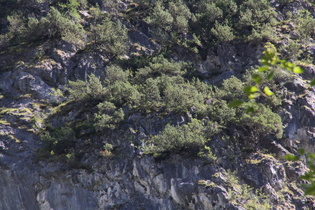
{"points": [[109, 37]]}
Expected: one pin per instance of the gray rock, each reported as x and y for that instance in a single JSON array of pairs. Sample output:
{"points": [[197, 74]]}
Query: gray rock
{"points": [[29, 84], [146, 45], [84, 65]]}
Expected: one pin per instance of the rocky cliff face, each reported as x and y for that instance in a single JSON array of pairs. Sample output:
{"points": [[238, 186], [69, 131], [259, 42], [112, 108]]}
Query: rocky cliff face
{"points": [[129, 179]]}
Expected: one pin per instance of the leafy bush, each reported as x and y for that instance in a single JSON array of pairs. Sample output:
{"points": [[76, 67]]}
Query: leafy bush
{"points": [[254, 13], [60, 26], [160, 17], [151, 97], [264, 32], [220, 112], [223, 33], [172, 94], [244, 195], [180, 98], [306, 24], [207, 13], [92, 89], [55, 26], [230, 89], [17, 25], [181, 14], [59, 140], [161, 66], [225, 20], [253, 118], [115, 73], [207, 154], [110, 37], [72, 6], [124, 93], [169, 19], [108, 116], [189, 137], [263, 121]]}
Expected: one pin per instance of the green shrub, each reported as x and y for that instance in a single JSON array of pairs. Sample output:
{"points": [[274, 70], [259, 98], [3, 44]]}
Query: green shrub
{"points": [[207, 154], [17, 27], [4, 39], [229, 7], [171, 93], [202, 87], [151, 97], [37, 28], [160, 66], [253, 13], [115, 73], [263, 121], [223, 33], [61, 27], [173, 139], [244, 195], [92, 89], [57, 25], [108, 116], [212, 128], [110, 37], [230, 89], [180, 98], [264, 32], [72, 7], [124, 93], [306, 24], [160, 17], [220, 112], [181, 14], [59, 140], [226, 20], [207, 13], [169, 21]]}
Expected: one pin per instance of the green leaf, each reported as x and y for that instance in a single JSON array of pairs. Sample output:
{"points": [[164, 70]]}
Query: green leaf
{"points": [[265, 61], [298, 70], [263, 68], [282, 61], [257, 79], [287, 65], [253, 95], [267, 91], [235, 103], [274, 61], [312, 82], [250, 89], [290, 157]]}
